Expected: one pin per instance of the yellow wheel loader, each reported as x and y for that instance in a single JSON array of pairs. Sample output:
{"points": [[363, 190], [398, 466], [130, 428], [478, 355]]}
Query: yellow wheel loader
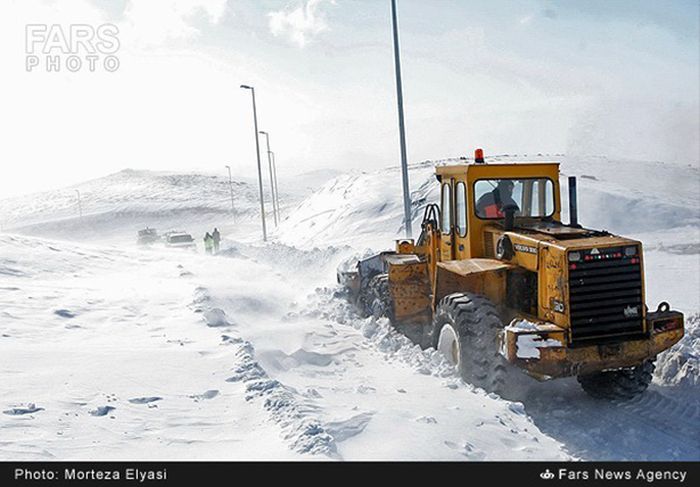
{"points": [[497, 281]]}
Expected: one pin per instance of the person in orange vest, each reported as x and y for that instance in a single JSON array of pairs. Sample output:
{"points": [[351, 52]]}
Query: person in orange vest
{"points": [[208, 243], [491, 204]]}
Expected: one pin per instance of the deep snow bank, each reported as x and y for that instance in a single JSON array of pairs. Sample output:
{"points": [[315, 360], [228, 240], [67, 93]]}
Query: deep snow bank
{"points": [[680, 366], [366, 209], [357, 208]]}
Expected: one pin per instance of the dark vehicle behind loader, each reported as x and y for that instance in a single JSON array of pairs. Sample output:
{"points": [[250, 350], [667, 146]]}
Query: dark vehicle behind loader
{"points": [[147, 236]]}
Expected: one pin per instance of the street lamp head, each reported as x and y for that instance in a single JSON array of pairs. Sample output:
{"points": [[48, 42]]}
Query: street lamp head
{"points": [[246, 87], [228, 167], [262, 132]]}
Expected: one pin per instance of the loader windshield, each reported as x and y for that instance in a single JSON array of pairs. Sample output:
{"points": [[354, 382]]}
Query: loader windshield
{"points": [[532, 197]]}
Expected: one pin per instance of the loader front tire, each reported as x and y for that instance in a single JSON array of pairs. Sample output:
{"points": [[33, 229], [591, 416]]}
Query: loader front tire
{"points": [[621, 385], [465, 330]]}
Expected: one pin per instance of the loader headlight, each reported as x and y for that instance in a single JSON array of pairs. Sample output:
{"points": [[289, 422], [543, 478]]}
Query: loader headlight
{"points": [[630, 251], [574, 256]]}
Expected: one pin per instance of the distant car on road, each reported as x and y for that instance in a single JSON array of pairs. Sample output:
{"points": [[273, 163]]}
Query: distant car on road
{"points": [[180, 240], [147, 236]]}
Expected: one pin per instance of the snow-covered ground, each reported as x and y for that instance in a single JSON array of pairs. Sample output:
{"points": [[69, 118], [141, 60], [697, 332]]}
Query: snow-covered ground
{"points": [[110, 351]]}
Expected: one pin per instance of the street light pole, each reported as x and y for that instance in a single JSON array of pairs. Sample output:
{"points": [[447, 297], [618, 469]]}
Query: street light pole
{"points": [[402, 130], [272, 181], [277, 192], [230, 185], [257, 153], [80, 205]]}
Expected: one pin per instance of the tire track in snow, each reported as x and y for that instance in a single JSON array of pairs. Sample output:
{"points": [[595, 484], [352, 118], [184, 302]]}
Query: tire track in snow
{"points": [[672, 416], [304, 433], [655, 426]]}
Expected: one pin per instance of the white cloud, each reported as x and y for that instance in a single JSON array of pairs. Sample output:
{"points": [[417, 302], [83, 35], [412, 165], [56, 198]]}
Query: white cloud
{"points": [[155, 22], [526, 19], [301, 24]]}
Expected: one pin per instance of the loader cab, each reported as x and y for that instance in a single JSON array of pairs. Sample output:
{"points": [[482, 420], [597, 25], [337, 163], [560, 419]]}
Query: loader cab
{"points": [[473, 197]]}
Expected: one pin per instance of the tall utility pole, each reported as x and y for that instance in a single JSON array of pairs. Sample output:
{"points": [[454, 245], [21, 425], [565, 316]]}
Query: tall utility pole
{"points": [[257, 153], [80, 205], [275, 210], [277, 192], [402, 130], [230, 185]]}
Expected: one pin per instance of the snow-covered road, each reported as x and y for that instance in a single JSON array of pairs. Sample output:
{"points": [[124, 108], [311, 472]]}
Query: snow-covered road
{"points": [[106, 344], [176, 355]]}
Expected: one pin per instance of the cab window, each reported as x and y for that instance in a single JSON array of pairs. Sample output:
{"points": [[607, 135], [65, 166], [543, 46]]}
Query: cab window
{"points": [[461, 209], [531, 197], [446, 224]]}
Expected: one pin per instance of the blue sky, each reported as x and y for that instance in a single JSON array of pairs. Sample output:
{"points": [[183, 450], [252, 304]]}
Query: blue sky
{"points": [[617, 78]]}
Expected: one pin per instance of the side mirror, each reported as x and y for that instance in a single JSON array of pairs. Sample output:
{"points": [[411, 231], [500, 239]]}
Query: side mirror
{"points": [[509, 222]]}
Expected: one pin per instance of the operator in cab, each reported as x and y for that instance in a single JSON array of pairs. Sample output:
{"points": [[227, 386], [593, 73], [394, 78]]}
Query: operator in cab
{"points": [[491, 204]]}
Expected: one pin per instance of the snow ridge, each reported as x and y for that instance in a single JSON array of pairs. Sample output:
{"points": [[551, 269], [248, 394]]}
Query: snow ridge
{"points": [[304, 433]]}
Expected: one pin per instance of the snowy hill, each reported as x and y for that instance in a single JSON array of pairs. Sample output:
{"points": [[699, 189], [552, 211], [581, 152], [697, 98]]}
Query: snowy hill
{"points": [[115, 206], [127, 191]]}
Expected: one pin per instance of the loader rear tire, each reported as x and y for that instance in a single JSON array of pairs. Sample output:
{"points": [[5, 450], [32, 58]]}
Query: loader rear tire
{"points": [[621, 385], [379, 304], [378, 298], [465, 329]]}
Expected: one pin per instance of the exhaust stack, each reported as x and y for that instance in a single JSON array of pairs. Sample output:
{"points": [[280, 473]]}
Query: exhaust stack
{"points": [[573, 203]]}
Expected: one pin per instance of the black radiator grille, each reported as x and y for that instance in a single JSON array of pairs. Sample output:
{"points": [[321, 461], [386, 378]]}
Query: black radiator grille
{"points": [[605, 295]]}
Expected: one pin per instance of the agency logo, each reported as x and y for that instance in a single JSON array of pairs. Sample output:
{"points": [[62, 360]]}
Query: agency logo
{"points": [[547, 475], [73, 48]]}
